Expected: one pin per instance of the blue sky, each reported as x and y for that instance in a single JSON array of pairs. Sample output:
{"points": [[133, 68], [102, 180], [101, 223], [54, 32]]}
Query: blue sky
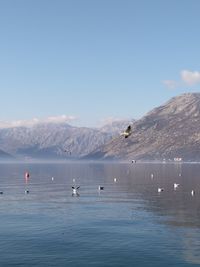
{"points": [[95, 59]]}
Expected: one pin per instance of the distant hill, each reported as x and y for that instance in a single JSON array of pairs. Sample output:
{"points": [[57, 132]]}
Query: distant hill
{"points": [[5, 156], [54, 140], [167, 132]]}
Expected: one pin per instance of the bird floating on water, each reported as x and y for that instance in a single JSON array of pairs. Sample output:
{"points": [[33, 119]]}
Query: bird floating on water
{"points": [[26, 191], [160, 189], [127, 133], [176, 186], [192, 192], [101, 187], [115, 180]]}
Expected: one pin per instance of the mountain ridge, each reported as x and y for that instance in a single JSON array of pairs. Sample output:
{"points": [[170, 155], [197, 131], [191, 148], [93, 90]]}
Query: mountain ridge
{"points": [[169, 131], [52, 140]]}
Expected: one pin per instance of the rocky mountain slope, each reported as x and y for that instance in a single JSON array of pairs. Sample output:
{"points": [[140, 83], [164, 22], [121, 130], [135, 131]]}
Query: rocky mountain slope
{"points": [[167, 132]]}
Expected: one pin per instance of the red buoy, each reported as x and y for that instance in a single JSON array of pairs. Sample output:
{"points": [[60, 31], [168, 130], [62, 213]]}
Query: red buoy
{"points": [[27, 175]]}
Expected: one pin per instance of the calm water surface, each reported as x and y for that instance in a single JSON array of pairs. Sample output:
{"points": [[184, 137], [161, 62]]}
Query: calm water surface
{"points": [[127, 224]]}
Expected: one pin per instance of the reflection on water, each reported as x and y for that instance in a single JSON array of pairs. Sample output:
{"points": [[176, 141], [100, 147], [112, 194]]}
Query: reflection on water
{"points": [[128, 221], [191, 245]]}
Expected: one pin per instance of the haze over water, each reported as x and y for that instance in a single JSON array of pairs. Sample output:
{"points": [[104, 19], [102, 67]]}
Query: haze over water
{"points": [[127, 224]]}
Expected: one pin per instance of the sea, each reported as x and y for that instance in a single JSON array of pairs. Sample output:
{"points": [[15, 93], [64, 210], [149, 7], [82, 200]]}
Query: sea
{"points": [[127, 223]]}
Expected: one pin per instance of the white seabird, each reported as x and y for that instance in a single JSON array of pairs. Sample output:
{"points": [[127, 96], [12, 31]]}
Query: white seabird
{"points": [[101, 187], [127, 133], [176, 186], [75, 190], [160, 189]]}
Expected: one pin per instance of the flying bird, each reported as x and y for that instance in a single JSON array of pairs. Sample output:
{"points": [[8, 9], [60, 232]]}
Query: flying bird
{"points": [[75, 190], [127, 133]]}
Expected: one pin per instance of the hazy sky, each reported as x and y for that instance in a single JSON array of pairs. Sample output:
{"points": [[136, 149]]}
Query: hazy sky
{"points": [[95, 59]]}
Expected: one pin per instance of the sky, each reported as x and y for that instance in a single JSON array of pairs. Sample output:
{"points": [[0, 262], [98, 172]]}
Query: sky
{"points": [[92, 61]]}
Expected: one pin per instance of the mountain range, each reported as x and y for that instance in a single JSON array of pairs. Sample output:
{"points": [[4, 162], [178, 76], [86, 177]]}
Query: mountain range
{"points": [[170, 131], [55, 140]]}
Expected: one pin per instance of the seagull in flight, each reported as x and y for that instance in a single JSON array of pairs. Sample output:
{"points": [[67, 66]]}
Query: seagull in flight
{"points": [[127, 133], [74, 190]]}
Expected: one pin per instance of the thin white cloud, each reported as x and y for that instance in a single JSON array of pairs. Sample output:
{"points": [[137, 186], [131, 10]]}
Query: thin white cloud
{"points": [[60, 119], [171, 84], [35, 121], [190, 77], [110, 120], [187, 78]]}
